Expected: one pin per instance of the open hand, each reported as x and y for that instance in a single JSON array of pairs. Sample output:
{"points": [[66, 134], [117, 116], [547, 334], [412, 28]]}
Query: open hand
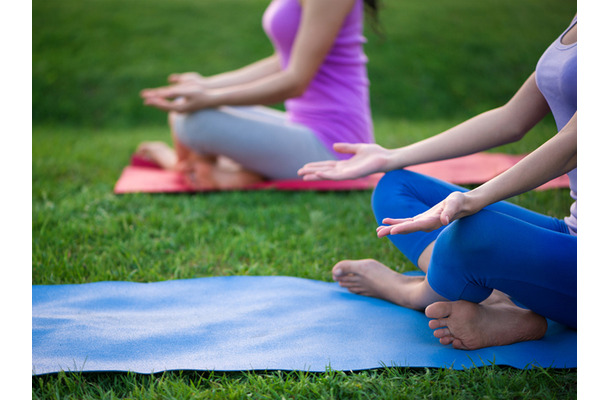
{"points": [[448, 210], [367, 159], [182, 97]]}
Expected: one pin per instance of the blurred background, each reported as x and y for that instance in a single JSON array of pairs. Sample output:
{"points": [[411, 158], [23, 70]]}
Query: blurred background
{"points": [[429, 60], [431, 66]]}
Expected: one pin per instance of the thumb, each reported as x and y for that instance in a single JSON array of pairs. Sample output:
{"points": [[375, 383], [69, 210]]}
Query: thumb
{"points": [[452, 205], [445, 217], [346, 148]]}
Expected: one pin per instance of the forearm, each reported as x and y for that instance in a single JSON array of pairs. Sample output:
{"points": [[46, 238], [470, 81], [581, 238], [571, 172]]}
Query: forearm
{"points": [[249, 73], [272, 89], [554, 158], [318, 29], [479, 133]]}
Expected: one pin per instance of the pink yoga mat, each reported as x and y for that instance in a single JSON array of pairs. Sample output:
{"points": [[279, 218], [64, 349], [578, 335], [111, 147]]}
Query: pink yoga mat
{"points": [[143, 176]]}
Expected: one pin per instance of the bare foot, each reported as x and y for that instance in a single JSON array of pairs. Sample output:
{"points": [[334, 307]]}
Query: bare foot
{"points": [[496, 322], [159, 153], [372, 278], [229, 175], [198, 173], [217, 173]]}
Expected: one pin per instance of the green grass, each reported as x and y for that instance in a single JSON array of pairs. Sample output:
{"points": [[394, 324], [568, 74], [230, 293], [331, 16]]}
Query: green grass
{"points": [[434, 65], [492, 383]]}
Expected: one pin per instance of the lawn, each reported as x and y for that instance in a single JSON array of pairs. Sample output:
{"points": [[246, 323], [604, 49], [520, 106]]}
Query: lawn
{"points": [[431, 65]]}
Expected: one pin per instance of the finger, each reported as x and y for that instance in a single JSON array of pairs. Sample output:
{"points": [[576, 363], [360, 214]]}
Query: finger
{"points": [[394, 221], [315, 167], [317, 177], [158, 92], [163, 104], [323, 175], [380, 227], [415, 225], [175, 78], [147, 93], [349, 148], [445, 218], [311, 177], [331, 175], [319, 164], [448, 213], [383, 231]]}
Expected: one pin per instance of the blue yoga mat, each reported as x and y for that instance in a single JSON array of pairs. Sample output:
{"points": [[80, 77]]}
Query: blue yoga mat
{"points": [[249, 323]]}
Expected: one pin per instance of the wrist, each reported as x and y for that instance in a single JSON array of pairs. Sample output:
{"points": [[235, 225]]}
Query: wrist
{"points": [[215, 97], [474, 201], [393, 159]]}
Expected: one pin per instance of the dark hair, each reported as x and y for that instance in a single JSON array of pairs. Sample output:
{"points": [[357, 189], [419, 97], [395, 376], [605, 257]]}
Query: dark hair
{"points": [[372, 4], [372, 9]]}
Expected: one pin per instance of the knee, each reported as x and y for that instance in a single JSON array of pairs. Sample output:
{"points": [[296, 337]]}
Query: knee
{"points": [[391, 179], [468, 237], [392, 184], [189, 129], [459, 260]]}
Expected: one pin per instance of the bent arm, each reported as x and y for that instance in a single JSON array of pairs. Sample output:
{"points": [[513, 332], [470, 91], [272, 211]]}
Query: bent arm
{"points": [[265, 82], [490, 129], [554, 158], [250, 73], [318, 29]]}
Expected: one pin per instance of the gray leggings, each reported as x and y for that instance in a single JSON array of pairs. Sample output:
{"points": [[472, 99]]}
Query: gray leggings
{"points": [[259, 138]]}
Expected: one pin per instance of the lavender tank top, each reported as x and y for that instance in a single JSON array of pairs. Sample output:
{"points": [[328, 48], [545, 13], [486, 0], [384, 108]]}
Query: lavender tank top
{"points": [[556, 79], [336, 104]]}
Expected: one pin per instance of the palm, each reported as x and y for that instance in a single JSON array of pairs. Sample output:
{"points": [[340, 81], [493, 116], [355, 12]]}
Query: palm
{"points": [[450, 209], [367, 159]]}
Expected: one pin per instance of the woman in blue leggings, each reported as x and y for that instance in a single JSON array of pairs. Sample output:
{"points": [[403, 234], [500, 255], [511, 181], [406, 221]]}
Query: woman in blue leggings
{"points": [[481, 256]]}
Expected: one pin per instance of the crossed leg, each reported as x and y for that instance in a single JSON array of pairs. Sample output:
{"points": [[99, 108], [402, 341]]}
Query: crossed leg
{"points": [[201, 172], [493, 319], [372, 278]]}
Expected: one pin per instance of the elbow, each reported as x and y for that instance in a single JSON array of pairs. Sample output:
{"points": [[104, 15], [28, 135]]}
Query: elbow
{"points": [[514, 134], [513, 129], [295, 83], [297, 89]]}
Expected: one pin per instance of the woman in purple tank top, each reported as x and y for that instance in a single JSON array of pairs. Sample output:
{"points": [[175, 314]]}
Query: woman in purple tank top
{"points": [[225, 136], [479, 254]]}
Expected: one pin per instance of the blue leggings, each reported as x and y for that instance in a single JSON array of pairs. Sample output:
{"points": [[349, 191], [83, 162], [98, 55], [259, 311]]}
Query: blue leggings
{"points": [[529, 256]]}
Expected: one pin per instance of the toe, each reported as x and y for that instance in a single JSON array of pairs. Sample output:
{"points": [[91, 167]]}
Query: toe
{"points": [[437, 323], [448, 340], [439, 309], [441, 333], [459, 344]]}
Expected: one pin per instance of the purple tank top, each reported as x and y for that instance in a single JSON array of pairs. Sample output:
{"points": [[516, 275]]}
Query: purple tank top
{"points": [[336, 104], [556, 79]]}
